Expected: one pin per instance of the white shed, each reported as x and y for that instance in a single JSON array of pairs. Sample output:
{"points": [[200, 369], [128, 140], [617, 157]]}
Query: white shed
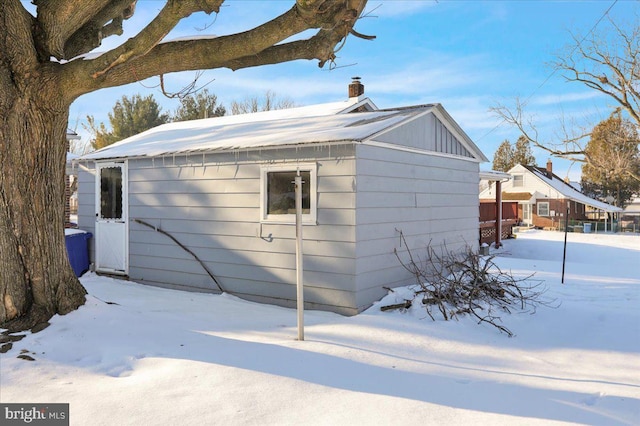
{"points": [[220, 192]]}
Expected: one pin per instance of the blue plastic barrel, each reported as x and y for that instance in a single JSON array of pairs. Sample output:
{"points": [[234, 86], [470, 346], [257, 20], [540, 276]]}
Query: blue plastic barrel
{"points": [[77, 243]]}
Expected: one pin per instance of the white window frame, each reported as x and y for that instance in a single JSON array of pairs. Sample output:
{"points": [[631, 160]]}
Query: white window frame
{"points": [[540, 204], [520, 181], [308, 218]]}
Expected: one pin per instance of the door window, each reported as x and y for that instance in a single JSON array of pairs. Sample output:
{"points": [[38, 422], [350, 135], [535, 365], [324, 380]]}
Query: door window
{"points": [[111, 193]]}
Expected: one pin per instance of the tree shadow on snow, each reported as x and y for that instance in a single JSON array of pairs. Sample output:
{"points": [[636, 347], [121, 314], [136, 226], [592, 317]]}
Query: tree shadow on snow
{"points": [[455, 391]]}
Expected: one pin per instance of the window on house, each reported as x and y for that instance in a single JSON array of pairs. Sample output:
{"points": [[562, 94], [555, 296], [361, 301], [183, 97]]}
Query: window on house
{"points": [[518, 180], [278, 193], [543, 209]]}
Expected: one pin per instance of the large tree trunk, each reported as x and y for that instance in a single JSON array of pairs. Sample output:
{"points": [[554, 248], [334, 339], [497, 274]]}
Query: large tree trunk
{"points": [[36, 279]]}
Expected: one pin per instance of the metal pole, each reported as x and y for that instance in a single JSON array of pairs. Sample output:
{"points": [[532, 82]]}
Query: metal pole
{"points": [[566, 228], [498, 241], [299, 264]]}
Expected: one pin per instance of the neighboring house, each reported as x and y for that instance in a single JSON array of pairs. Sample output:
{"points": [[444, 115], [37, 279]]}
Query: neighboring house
{"points": [[222, 188], [543, 197], [69, 176], [630, 220], [633, 207]]}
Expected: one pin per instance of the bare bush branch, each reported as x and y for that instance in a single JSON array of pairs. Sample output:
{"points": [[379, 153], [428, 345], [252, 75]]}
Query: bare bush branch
{"points": [[453, 284]]}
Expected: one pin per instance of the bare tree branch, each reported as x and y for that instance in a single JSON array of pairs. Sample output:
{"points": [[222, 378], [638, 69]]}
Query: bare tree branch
{"points": [[143, 56], [70, 28], [610, 66], [107, 23], [152, 34], [363, 36], [570, 148], [22, 57], [459, 283]]}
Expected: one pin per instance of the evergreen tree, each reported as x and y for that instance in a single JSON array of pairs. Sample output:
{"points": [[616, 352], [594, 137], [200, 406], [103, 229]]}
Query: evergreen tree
{"points": [[101, 136], [201, 105], [614, 158], [508, 155], [128, 117], [503, 158], [522, 153]]}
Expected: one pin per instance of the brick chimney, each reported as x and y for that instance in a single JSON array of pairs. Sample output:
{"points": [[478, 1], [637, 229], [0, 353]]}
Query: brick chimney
{"points": [[549, 169], [356, 88]]}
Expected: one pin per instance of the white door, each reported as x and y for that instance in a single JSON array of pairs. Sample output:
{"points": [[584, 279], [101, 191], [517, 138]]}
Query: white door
{"points": [[112, 248]]}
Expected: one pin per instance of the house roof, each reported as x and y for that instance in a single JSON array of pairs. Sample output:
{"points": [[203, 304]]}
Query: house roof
{"points": [[314, 124], [567, 190]]}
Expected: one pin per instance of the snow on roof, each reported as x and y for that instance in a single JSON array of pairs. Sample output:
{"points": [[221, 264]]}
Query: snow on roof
{"points": [[570, 192], [314, 124]]}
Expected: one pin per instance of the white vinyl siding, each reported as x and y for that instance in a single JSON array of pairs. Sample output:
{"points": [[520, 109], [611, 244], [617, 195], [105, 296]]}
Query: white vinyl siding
{"points": [[531, 184], [427, 133], [211, 204], [432, 200]]}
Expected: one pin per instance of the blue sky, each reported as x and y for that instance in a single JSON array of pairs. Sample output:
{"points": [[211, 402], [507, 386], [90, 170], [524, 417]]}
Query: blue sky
{"points": [[466, 55]]}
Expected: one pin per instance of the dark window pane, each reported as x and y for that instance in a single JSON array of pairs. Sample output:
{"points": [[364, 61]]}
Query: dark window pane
{"points": [[281, 192], [111, 193]]}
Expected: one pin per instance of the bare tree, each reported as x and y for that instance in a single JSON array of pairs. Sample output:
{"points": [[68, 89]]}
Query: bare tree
{"points": [[607, 61], [43, 70], [267, 103]]}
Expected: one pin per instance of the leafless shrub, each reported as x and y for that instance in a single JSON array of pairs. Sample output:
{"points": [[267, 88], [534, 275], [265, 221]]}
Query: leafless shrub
{"points": [[453, 284]]}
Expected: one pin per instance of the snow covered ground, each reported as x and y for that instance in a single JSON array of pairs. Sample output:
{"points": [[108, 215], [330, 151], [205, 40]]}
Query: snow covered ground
{"points": [[138, 355]]}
